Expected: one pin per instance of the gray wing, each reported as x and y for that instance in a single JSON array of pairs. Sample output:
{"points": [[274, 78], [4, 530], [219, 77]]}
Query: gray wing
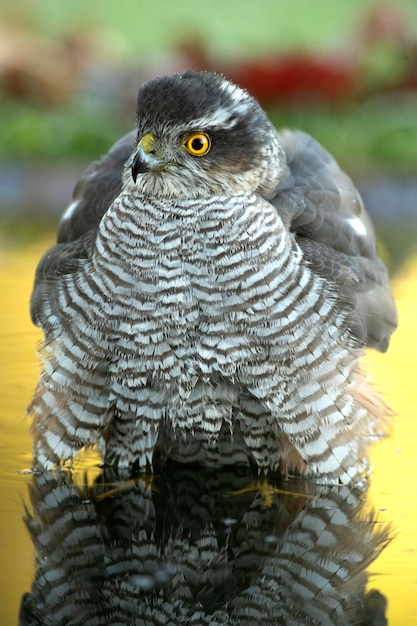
{"points": [[320, 205], [317, 202], [98, 186], [95, 191]]}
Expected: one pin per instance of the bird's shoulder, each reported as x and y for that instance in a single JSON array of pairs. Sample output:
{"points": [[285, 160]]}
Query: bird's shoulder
{"points": [[316, 201], [321, 207], [94, 192]]}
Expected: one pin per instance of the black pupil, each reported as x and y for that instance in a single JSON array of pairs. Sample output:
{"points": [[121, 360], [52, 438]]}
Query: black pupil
{"points": [[197, 144]]}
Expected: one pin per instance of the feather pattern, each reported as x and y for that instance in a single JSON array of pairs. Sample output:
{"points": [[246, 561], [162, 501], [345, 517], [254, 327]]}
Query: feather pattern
{"points": [[110, 553], [212, 312]]}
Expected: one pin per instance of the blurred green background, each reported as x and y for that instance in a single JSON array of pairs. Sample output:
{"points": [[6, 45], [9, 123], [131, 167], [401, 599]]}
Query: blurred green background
{"points": [[343, 70], [70, 69]]}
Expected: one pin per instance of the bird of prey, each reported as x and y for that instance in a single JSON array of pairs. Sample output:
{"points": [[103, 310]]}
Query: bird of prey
{"points": [[108, 553], [213, 287]]}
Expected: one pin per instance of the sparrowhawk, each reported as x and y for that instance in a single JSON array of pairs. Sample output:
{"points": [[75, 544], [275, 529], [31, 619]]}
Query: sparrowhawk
{"points": [[108, 552], [213, 287]]}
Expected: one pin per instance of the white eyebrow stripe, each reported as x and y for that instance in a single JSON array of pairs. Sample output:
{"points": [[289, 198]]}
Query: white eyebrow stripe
{"points": [[226, 116], [223, 116], [235, 92], [357, 225]]}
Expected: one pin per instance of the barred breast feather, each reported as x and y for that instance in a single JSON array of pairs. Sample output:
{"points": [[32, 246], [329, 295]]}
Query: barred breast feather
{"points": [[108, 553], [220, 328]]}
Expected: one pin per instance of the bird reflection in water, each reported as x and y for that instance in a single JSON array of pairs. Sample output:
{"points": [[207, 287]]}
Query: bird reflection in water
{"points": [[191, 546]]}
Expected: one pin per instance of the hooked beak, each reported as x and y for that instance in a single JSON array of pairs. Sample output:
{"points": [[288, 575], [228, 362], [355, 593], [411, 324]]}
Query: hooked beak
{"points": [[144, 159]]}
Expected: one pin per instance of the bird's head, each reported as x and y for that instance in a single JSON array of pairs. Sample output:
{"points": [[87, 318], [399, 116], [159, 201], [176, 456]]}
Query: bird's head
{"points": [[201, 135]]}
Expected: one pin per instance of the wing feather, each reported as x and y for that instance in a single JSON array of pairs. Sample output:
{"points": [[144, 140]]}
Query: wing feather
{"points": [[322, 208], [96, 189], [317, 202]]}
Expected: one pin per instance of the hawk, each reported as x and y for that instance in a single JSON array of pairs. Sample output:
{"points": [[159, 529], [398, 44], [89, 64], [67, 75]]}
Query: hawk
{"points": [[213, 287], [108, 553]]}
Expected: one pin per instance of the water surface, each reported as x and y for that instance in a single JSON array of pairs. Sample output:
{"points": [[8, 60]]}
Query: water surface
{"points": [[246, 532]]}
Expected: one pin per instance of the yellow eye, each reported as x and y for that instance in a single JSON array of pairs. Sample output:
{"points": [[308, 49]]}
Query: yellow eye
{"points": [[197, 143]]}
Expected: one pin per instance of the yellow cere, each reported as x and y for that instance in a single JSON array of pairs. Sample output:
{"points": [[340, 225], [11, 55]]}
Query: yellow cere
{"points": [[147, 143]]}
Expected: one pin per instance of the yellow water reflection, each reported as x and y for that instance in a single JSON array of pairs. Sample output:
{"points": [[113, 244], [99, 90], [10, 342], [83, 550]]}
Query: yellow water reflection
{"points": [[395, 459], [395, 465], [17, 375]]}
